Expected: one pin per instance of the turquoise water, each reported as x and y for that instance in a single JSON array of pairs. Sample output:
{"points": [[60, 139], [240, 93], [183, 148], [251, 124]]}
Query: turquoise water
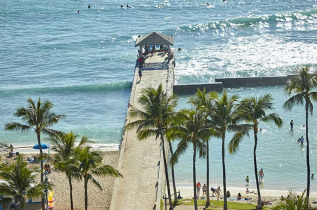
{"points": [[278, 153], [84, 62]]}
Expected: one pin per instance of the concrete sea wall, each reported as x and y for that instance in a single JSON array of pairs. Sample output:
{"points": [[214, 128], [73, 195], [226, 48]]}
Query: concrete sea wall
{"points": [[222, 83]]}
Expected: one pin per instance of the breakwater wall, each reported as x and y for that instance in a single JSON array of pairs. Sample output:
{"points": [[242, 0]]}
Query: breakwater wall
{"points": [[222, 83]]}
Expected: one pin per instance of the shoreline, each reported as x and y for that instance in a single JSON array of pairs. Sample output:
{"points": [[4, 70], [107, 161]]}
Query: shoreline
{"points": [[28, 149], [187, 192]]}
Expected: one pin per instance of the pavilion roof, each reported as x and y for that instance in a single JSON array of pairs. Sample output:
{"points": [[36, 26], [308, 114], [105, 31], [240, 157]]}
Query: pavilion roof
{"points": [[155, 38]]}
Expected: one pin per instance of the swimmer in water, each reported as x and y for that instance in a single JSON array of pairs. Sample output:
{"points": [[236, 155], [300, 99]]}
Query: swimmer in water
{"points": [[128, 6], [89, 6], [207, 4], [121, 6], [77, 11], [179, 49]]}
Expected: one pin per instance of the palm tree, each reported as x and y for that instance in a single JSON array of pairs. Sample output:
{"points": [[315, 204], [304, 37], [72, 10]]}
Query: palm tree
{"points": [[38, 117], [303, 85], [153, 120], [18, 182], [172, 169], [190, 128], [201, 101], [291, 202], [222, 118], [90, 165], [253, 111], [64, 160]]}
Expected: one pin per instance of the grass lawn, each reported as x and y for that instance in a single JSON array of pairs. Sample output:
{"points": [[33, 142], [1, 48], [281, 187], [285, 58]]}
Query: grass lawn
{"points": [[217, 204]]}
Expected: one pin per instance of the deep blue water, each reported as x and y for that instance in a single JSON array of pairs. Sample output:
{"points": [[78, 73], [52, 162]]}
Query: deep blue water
{"points": [[84, 63]]}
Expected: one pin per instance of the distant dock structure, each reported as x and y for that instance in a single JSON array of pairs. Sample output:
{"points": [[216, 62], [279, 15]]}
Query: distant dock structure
{"points": [[141, 162]]}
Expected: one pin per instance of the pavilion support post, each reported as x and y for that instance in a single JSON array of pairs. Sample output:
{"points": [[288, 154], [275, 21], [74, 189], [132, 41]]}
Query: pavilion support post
{"points": [[141, 48]]}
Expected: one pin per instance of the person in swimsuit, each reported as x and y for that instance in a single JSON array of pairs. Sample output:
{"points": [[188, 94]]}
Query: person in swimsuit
{"points": [[198, 185], [247, 180], [213, 190], [204, 189], [292, 125], [261, 175], [218, 192]]}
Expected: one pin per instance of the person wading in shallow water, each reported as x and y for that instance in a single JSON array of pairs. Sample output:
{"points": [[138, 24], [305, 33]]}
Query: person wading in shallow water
{"points": [[292, 125]]}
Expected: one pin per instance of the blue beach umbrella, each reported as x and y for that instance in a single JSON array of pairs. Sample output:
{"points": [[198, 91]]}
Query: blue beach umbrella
{"points": [[44, 146]]}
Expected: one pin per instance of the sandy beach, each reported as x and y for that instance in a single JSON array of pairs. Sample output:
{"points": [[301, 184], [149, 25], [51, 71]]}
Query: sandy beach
{"points": [[96, 199], [271, 196]]}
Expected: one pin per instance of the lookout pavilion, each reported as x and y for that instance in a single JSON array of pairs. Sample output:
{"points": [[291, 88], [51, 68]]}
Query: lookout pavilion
{"points": [[152, 40]]}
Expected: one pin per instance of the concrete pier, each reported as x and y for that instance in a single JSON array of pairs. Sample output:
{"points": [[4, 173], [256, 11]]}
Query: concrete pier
{"points": [[141, 162]]}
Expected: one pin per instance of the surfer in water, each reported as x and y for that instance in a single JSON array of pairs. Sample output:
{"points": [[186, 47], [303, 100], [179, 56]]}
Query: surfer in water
{"points": [[128, 6]]}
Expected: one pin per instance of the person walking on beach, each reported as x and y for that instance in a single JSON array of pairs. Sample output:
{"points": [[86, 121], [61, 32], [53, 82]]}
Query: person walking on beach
{"points": [[204, 190], [247, 181], [218, 192], [261, 175], [198, 185], [213, 190], [292, 125]]}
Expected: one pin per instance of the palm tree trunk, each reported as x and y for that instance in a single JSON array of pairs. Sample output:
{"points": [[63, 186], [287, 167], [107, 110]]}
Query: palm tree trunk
{"points": [[307, 158], [225, 207], [256, 167], [208, 195], [173, 176], [41, 155], [194, 177], [166, 171], [71, 192], [86, 193]]}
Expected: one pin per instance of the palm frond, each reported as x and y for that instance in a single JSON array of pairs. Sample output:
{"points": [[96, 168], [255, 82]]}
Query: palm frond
{"points": [[96, 183], [17, 126], [234, 144], [181, 148], [273, 117], [297, 99]]}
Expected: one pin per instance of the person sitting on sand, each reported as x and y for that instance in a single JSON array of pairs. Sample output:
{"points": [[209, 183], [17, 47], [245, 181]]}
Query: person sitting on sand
{"points": [[204, 189], [228, 194], [218, 192], [239, 197]]}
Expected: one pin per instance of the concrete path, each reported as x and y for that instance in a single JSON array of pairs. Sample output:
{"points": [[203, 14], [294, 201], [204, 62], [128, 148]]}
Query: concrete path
{"points": [[140, 160]]}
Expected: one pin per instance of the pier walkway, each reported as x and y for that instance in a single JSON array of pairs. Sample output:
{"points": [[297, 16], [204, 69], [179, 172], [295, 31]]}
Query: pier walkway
{"points": [[140, 162]]}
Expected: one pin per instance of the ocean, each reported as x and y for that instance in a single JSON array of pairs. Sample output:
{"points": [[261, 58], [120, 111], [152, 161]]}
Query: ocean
{"points": [[84, 63]]}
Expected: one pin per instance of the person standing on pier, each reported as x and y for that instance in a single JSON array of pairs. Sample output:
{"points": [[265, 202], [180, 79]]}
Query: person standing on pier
{"points": [[140, 74]]}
